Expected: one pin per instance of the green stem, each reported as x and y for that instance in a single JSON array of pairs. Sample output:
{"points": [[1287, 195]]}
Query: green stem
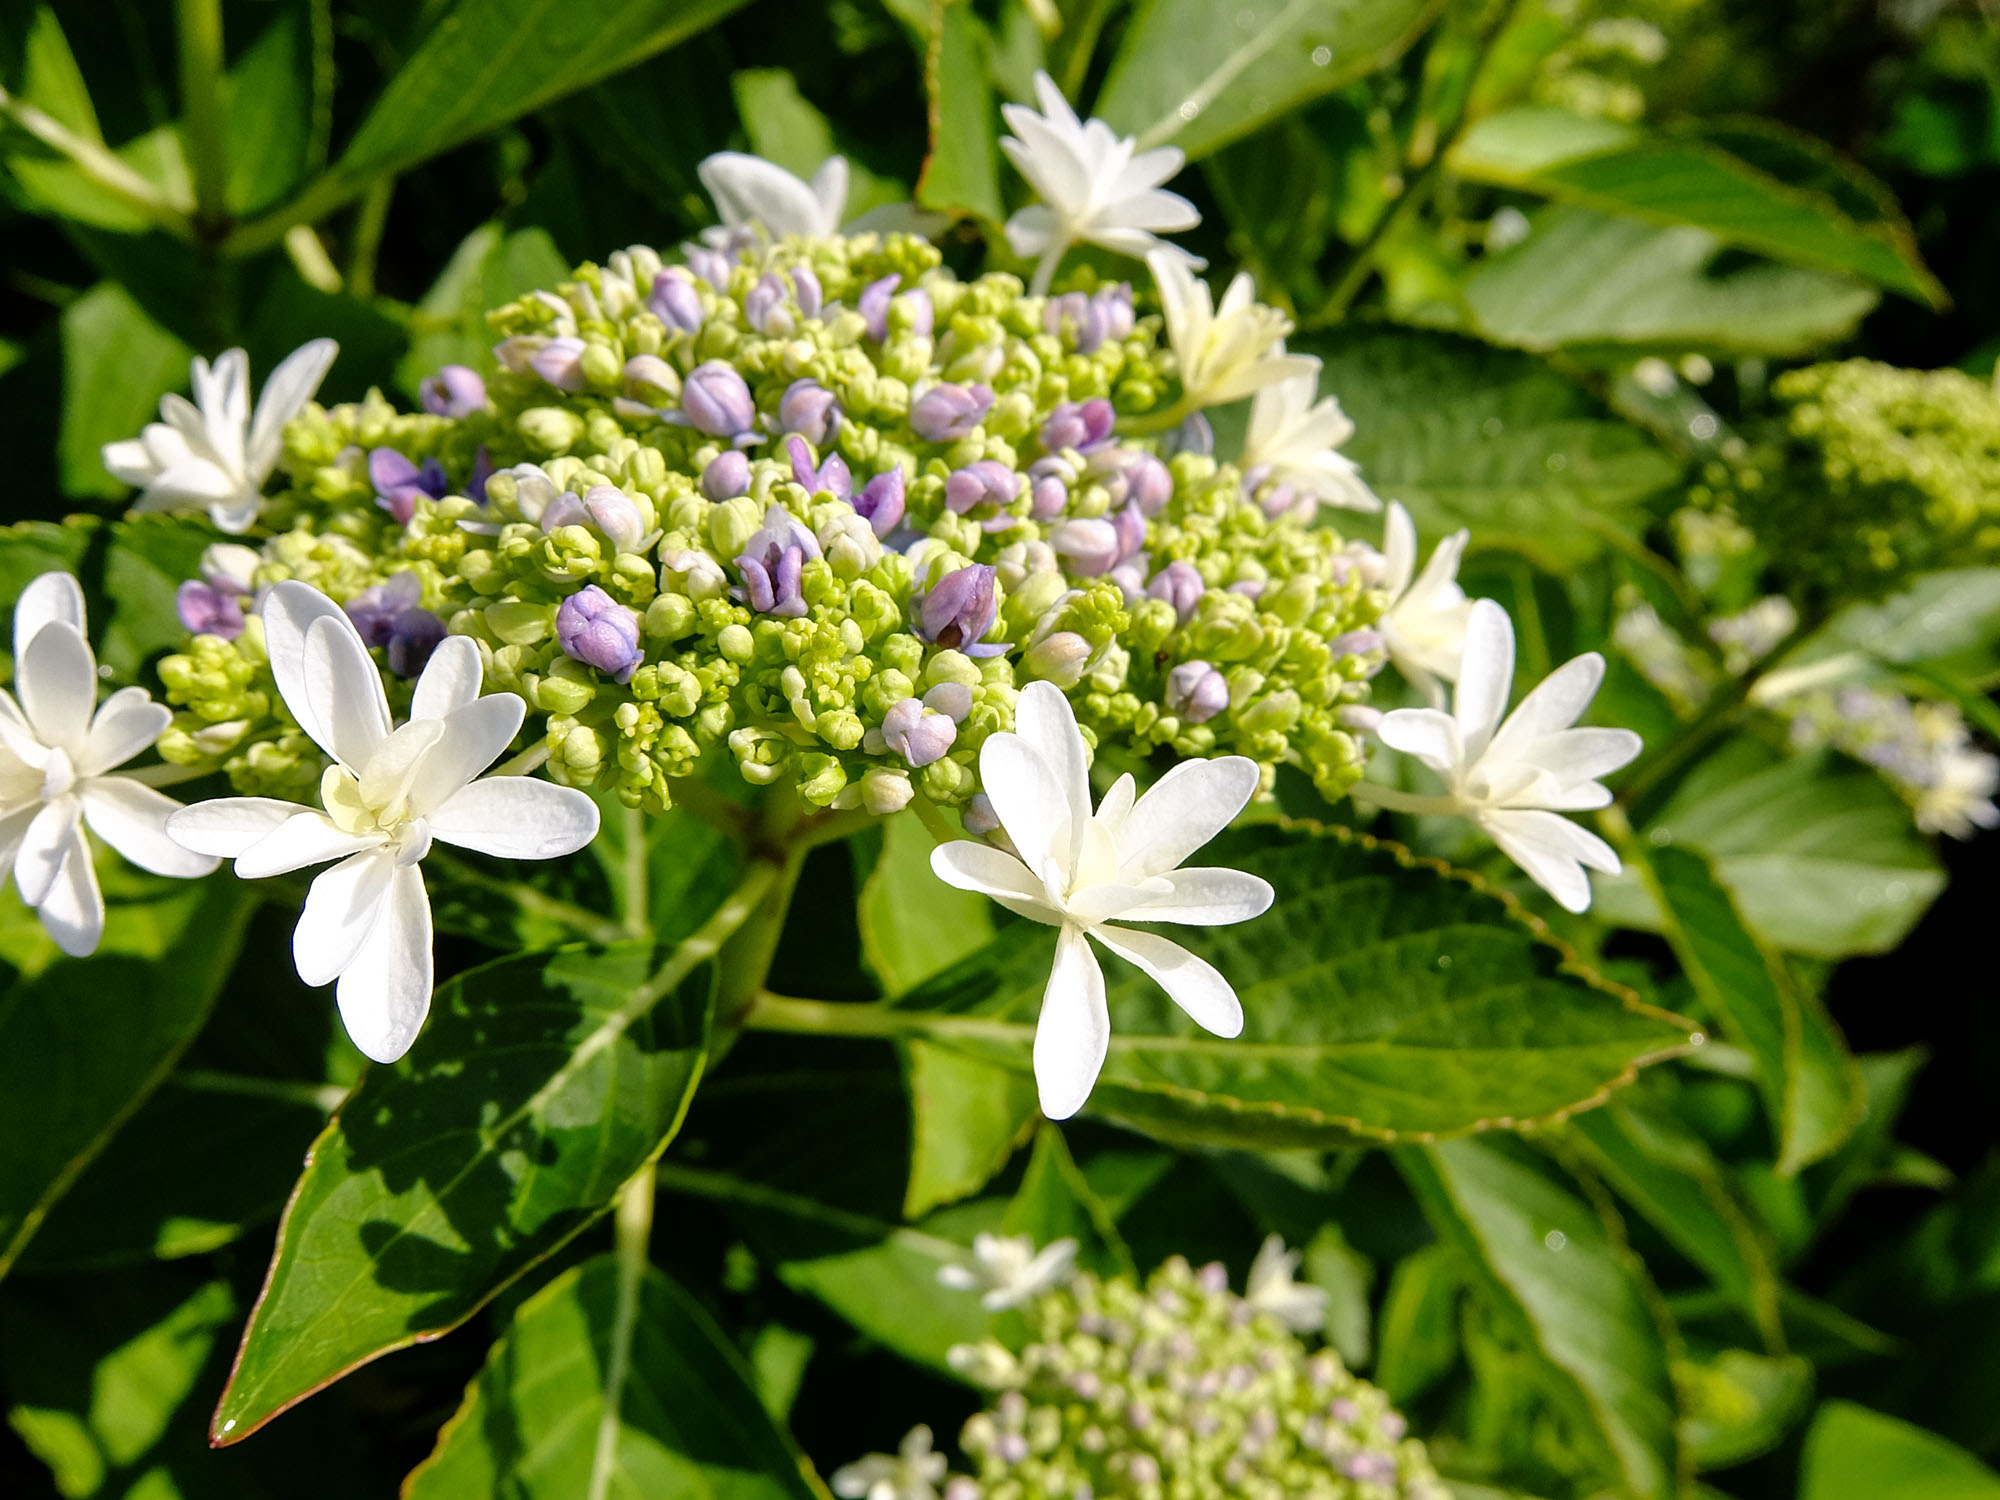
{"points": [[634, 1240], [201, 100], [583, 922], [1159, 421], [324, 1097], [310, 260], [787, 1013], [369, 223], [98, 164], [634, 907], [932, 817], [697, 798], [528, 761]]}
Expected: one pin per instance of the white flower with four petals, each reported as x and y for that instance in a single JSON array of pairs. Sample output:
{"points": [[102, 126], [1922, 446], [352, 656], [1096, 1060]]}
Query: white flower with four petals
{"points": [[57, 771], [1007, 1270], [1225, 352], [909, 1474], [1077, 869], [1296, 439], [214, 453], [1516, 779], [1274, 1289], [389, 793], [1424, 624]]}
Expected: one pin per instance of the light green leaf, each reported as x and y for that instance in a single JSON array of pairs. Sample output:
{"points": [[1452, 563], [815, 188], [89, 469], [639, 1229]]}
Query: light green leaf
{"points": [[1579, 1301], [1467, 435], [913, 925], [1739, 1405], [268, 107], [689, 1421], [540, 1084], [1418, 1339], [967, 1118], [1940, 616], [962, 170], [117, 363], [85, 1041], [1383, 999], [1198, 74], [1853, 1453], [1626, 170]]}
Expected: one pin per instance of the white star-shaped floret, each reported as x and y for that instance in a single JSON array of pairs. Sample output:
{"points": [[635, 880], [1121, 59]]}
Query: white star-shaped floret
{"points": [[1515, 779], [1094, 189], [390, 791], [1007, 1270], [1296, 440], [1077, 869], [1225, 352], [1299, 1305], [910, 1474], [213, 453], [750, 190], [57, 771], [1424, 625]]}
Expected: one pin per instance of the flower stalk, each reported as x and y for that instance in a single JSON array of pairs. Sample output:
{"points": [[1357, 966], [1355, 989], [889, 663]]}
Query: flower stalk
{"points": [[200, 24]]}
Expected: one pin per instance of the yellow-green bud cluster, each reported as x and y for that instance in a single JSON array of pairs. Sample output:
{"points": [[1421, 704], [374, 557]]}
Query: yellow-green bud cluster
{"points": [[1180, 1390], [860, 360]]}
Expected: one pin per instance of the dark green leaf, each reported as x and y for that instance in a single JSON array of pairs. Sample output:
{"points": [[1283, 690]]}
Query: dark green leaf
{"points": [[688, 1422], [962, 172], [1055, 1202], [1418, 1338], [268, 106], [540, 1084], [1853, 1453], [967, 1117], [490, 268], [785, 128]]}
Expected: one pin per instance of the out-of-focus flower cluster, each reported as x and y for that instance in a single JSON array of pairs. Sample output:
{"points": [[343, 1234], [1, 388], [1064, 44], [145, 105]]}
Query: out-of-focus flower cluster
{"points": [[1180, 1388], [1921, 747], [814, 500]]}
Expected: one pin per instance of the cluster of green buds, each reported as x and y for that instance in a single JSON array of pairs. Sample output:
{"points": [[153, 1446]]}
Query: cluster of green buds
{"points": [[819, 506], [1180, 1388], [1867, 474]]}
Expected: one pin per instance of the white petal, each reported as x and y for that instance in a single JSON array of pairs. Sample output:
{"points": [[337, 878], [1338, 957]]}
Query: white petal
{"points": [[289, 610], [1042, 717], [385, 993], [129, 461], [304, 838], [1117, 805], [1207, 898], [1050, 97], [517, 817], [392, 768], [1574, 756], [227, 826], [285, 393], [992, 872], [450, 678], [1561, 697], [1427, 733], [1186, 808], [345, 691], [1029, 800], [126, 723], [1399, 548], [44, 846], [342, 907], [1485, 676], [1031, 230], [1100, 903], [1183, 299], [1074, 1031], [473, 739], [17, 735], [50, 599], [749, 190], [1192, 983], [73, 909], [1551, 851], [132, 819], [56, 677], [829, 188]]}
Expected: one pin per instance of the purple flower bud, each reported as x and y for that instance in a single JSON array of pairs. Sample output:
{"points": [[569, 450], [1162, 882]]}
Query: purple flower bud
{"points": [[1076, 313], [726, 477], [806, 291], [608, 510], [712, 266], [922, 314], [1356, 643], [1114, 303], [874, 305], [979, 817], [413, 636], [773, 564], [1090, 547], [947, 412], [595, 629], [987, 482], [1194, 435], [766, 298], [1130, 524], [399, 484], [454, 391], [881, 501], [715, 400], [1196, 692], [1180, 585], [1368, 1467], [1081, 425], [1249, 588], [952, 699], [206, 610], [1048, 498], [832, 476], [482, 470], [648, 377], [375, 611], [1213, 1277], [1148, 483], [960, 610], [918, 737], [1130, 575], [560, 363], [675, 302], [513, 354], [230, 568], [809, 409]]}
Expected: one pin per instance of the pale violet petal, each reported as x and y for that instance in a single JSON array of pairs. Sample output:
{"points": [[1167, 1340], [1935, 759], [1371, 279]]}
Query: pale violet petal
{"points": [[992, 872], [1192, 983], [132, 819], [345, 690], [1185, 808], [53, 598], [72, 912], [1074, 1031], [341, 909], [305, 838], [1206, 897], [474, 737], [385, 992], [125, 723], [1027, 798], [44, 846], [228, 826], [450, 678], [517, 817], [56, 678]]}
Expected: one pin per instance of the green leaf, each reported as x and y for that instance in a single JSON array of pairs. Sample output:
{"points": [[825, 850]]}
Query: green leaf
{"points": [[117, 363], [1625, 170], [962, 170], [913, 925], [491, 61], [1740, 1405], [1384, 999], [1582, 278], [1552, 1271], [689, 1421], [490, 268], [1199, 75], [1418, 1338], [1811, 1090], [1952, 615], [267, 102], [1853, 1453], [86, 1040], [541, 1083], [967, 1118], [1055, 1202], [1467, 435]]}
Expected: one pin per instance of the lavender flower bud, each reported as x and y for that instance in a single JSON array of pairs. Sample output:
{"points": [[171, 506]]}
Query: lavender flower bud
{"points": [[1114, 304], [206, 610], [693, 574], [1196, 692], [1130, 524], [1090, 546], [809, 409], [560, 363], [413, 636], [922, 314], [715, 400], [375, 611], [1148, 484], [806, 291], [979, 817], [764, 308], [609, 510], [773, 563], [1194, 435], [650, 378], [400, 484], [1359, 717], [1130, 575], [986, 482], [961, 609], [952, 699], [918, 737], [1048, 498], [513, 354], [831, 476], [1081, 425], [595, 629], [675, 302], [1077, 313], [881, 501], [1061, 657], [726, 477], [947, 412], [1180, 585], [712, 266], [1356, 643], [454, 391], [874, 305]]}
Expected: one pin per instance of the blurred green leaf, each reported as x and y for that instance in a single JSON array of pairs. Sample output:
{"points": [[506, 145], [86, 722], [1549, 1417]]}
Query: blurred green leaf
{"points": [[1951, 616], [1739, 1405], [1055, 1202], [490, 268], [117, 363], [912, 924], [688, 1421], [540, 1084], [1383, 1000], [1467, 435], [1853, 1453], [1198, 75], [267, 99], [962, 170], [785, 128], [968, 1117], [1554, 1274]]}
